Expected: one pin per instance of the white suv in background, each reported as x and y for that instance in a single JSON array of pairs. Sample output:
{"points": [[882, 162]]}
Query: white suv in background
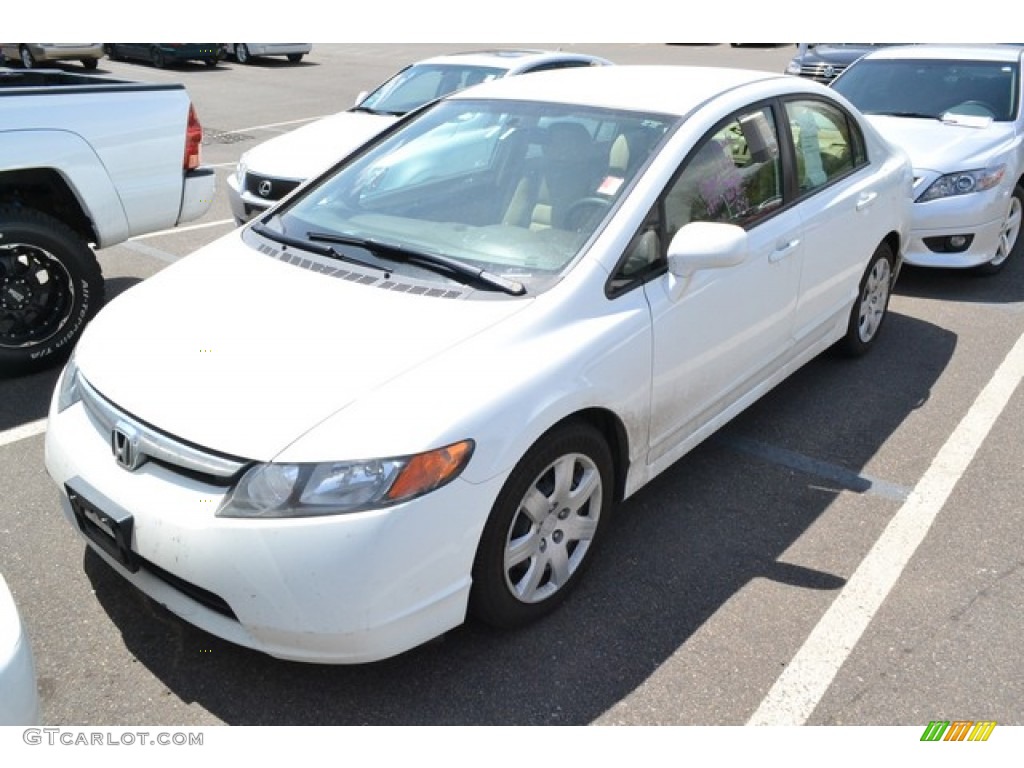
{"points": [[268, 172]]}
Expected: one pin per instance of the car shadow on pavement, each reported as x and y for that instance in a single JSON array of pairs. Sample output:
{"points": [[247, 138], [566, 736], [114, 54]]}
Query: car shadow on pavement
{"points": [[677, 553], [1005, 287]]}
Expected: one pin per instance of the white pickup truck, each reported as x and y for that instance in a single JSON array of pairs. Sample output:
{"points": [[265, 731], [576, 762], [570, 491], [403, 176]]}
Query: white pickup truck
{"points": [[86, 162]]}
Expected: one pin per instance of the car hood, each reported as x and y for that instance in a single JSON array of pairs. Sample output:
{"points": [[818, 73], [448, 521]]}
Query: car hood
{"points": [[304, 152], [242, 353], [943, 147]]}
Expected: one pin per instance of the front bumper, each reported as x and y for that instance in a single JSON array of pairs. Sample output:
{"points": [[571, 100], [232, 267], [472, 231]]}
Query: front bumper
{"points": [[979, 216], [337, 589]]}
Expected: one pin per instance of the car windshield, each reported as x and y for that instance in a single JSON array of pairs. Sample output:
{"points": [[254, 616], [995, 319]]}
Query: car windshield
{"points": [[932, 88], [515, 189], [416, 85]]}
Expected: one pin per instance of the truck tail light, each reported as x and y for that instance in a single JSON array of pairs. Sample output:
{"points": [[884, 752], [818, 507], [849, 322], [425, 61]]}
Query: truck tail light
{"points": [[193, 140]]}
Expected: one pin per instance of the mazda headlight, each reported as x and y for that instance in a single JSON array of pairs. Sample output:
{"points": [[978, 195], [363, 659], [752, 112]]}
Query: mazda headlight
{"points": [[339, 487], [69, 392], [963, 183]]}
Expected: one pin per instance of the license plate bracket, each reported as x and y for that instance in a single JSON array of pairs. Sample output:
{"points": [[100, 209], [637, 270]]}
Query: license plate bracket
{"points": [[106, 526]]}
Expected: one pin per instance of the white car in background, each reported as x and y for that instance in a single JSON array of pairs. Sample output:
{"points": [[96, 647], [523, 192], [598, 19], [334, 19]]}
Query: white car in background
{"points": [[19, 696], [446, 367], [271, 170], [244, 53], [957, 111]]}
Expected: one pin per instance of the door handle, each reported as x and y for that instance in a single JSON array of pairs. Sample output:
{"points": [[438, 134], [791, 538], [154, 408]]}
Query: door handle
{"points": [[865, 200], [783, 250]]}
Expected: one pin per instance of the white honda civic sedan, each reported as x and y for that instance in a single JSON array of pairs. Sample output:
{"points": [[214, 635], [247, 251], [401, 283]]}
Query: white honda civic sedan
{"points": [[416, 390], [957, 111]]}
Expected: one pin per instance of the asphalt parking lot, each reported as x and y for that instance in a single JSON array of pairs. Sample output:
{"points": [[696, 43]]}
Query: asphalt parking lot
{"points": [[847, 552]]}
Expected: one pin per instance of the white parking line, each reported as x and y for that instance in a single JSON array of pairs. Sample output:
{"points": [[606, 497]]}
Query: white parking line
{"points": [[265, 126], [175, 230], [23, 432], [801, 686]]}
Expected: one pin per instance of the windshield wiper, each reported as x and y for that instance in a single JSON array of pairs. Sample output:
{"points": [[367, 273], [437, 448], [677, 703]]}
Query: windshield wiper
{"points": [[323, 250], [434, 261], [896, 113]]}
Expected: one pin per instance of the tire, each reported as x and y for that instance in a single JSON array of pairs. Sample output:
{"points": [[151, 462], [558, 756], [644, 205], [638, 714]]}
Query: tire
{"points": [[242, 54], [527, 563], [50, 287], [1010, 242], [158, 58], [90, 63], [112, 52], [868, 312], [295, 58], [28, 61]]}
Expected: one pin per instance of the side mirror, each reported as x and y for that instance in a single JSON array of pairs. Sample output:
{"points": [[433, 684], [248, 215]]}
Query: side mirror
{"points": [[362, 95], [706, 245]]}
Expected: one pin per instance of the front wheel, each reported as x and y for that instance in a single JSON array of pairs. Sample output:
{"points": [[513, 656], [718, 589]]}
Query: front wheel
{"points": [[50, 287], [241, 53], [543, 528], [295, 58], [28, 61], [1010, 242], [872, 303]]}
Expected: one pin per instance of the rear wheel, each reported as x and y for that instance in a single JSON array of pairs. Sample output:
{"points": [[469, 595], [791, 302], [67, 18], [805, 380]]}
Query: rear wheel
{"points": [[27, 59], [1010, 241], [295, 58], [90, 63], [543, 528], [50, 287], [158, 58], [872, 303], [241, 53]]}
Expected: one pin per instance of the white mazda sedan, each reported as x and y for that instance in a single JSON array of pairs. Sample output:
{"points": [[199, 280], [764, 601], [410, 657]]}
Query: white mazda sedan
{"points": [[957, 112], [441, 364]]}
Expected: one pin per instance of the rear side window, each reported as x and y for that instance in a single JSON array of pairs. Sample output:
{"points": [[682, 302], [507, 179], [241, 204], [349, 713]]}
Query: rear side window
{"points": [[827, 144]]}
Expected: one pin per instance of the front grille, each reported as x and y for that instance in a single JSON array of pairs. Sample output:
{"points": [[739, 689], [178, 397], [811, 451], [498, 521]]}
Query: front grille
{"points": [[823, 73], [269, 188], [155, 445]]}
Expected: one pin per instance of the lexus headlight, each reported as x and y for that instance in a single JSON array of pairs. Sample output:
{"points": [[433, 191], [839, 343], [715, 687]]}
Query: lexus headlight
{"points": [[69, 392], [340, 487], [963, 183]]}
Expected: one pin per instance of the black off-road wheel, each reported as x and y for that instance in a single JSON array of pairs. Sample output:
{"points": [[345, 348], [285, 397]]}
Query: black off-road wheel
{"points": [[544, 527], [50, 287]]}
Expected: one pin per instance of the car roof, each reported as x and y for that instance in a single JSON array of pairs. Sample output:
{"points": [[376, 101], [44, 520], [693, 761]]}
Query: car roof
{"points": [[665, 89], [512, 59], [1008, 52]]}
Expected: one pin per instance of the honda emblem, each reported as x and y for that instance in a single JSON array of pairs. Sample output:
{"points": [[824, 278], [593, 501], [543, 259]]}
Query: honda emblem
{"points": [[124, 443]]}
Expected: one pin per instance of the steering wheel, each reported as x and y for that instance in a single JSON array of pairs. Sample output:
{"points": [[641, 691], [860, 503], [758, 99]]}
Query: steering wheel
{"points": [[584, 212]]}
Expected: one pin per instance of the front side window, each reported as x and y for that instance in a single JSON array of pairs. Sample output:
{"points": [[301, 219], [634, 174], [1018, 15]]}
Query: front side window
{"points": [[733, 176]]}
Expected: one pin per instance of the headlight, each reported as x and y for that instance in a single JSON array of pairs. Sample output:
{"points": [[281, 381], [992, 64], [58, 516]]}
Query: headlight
{"points": [[963, 183], [69, 393], [340, 487], [793, 68]]}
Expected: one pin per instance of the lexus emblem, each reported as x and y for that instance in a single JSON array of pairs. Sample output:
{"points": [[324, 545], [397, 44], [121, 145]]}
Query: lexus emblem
{"points": [[124, 443], [830, 72], [265, 188]]}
